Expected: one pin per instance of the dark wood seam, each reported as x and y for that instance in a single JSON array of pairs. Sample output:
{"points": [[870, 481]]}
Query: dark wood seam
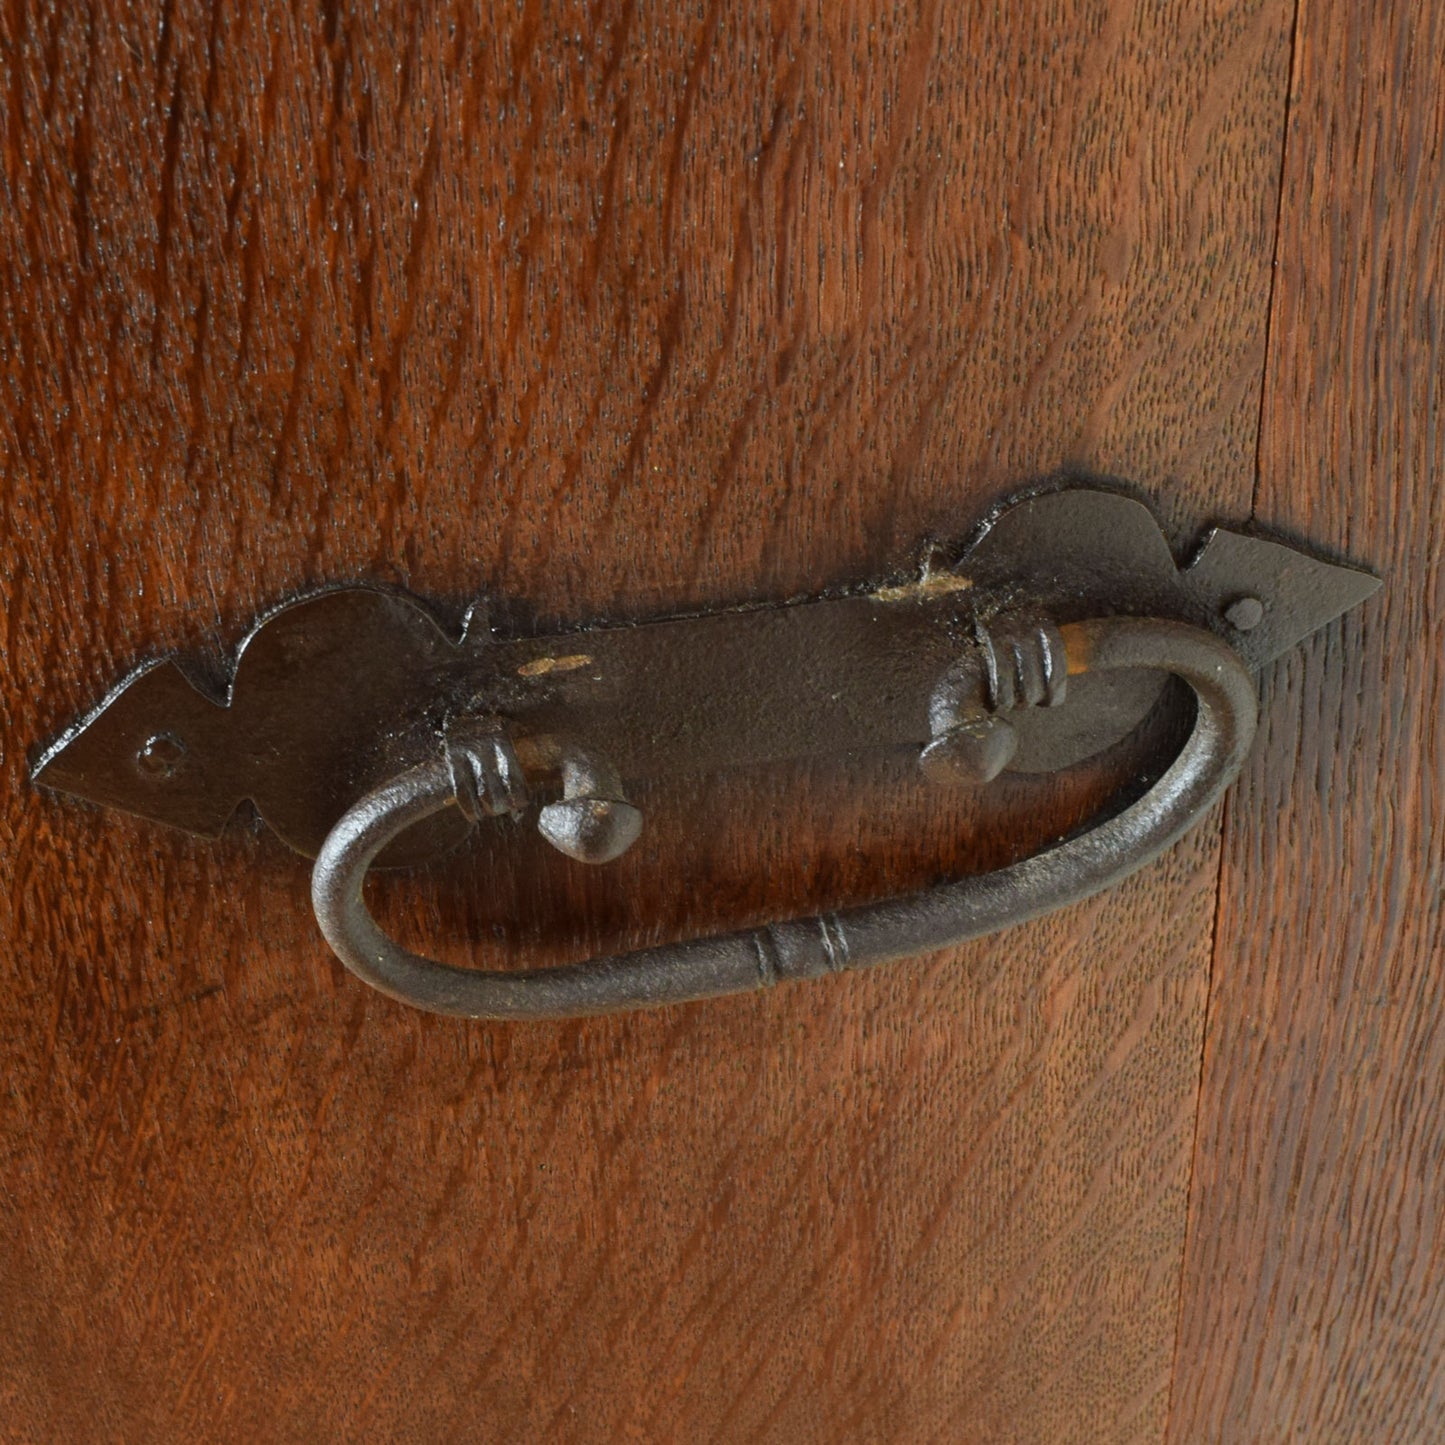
{"points": [[1226, 810], [1289, 108]]}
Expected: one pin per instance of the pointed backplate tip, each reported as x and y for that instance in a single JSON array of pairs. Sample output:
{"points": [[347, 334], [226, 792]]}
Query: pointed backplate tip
{"points": [[1298, 593], [148, 748]]}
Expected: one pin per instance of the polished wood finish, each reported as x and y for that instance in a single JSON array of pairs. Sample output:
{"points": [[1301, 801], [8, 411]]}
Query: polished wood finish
{"points": [[601, 309], [1314, 1304]]}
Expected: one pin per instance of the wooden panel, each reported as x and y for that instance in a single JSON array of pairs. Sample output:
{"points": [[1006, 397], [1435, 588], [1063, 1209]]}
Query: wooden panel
{"points": [[1313, 1300], [601, 309]]}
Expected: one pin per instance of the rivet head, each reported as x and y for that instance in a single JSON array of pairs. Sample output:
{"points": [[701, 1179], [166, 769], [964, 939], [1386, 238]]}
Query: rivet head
{"points": [[160, 756], [973, 753], [591, 830], [1244, 614]]}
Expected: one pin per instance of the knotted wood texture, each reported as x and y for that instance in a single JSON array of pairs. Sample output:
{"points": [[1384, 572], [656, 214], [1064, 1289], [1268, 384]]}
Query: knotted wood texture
{"points": [[600, 309]]}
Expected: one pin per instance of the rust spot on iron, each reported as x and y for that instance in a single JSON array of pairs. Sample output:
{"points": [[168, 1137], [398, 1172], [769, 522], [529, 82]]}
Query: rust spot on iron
{"points": [[1077, 647]]}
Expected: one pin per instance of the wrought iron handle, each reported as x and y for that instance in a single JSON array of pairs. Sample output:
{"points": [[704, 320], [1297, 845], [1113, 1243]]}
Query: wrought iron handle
{"points": [[806, 948]]}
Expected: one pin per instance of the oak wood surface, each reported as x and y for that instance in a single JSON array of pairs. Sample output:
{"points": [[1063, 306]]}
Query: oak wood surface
{"points": [[1313, 1306], [601, 309]]}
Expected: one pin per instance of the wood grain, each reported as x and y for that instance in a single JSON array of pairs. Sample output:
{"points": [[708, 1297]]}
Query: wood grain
{"points": [[1313, 1306], [598, 309]]}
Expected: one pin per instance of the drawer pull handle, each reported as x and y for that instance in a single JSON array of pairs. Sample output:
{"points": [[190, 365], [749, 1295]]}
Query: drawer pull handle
{"points": [[857, 938], [367, 731]]}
